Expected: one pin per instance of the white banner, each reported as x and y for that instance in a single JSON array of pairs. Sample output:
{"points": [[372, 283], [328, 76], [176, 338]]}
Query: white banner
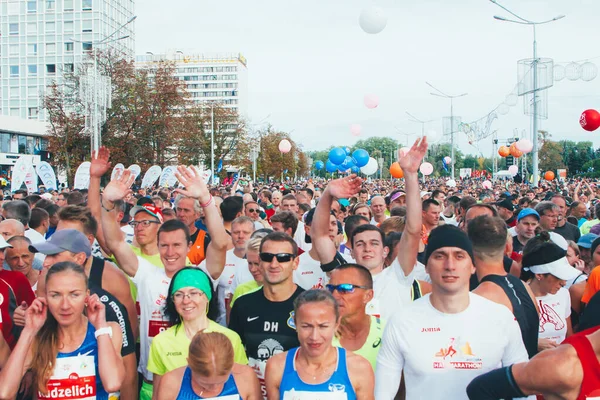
{"points": [[465, 173], [18, 173], [47, 175], [82, 176], [31, 179], [167, 178], [135, 169], [151, 176], [117, 171]]}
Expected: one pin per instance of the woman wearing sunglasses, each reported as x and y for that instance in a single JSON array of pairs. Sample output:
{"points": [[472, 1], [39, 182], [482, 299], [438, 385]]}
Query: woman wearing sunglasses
{"points": [[190, 293], [317, 369], [210, 373]]}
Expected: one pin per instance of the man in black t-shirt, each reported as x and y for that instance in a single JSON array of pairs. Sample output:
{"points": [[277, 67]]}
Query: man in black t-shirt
{"points": [[527, 221], [264, 319], [564, 228]]}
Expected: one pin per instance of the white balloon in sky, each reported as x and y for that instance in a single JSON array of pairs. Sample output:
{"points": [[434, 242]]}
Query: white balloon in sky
{"points": [[372, 20], [433, 136]]}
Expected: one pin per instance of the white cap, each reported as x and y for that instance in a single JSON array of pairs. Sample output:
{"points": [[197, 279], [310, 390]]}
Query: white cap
{"points": [[3, 243]]}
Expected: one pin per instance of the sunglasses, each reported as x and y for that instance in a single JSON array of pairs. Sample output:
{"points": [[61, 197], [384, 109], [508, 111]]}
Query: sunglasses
{"points": [[253, 210], [344, 288], [281, 257]]}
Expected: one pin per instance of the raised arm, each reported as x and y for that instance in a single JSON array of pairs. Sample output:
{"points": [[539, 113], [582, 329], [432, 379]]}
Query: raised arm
{"points": [[117, 189], [577, 189], [409, 242], [99, 166], [319, 230], [196, 188]]}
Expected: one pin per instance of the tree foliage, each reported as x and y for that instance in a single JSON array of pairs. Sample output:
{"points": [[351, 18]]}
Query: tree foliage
{"points": [[550, 156], [271, 163]]}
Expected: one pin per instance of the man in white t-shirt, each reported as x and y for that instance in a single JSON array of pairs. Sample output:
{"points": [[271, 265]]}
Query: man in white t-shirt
{"points": [[450, 336], [173, 245], [404, 280], [236, 270]]}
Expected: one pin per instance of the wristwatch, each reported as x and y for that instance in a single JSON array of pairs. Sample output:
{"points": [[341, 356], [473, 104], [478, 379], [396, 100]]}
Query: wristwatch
{"points": [[107, 330]]}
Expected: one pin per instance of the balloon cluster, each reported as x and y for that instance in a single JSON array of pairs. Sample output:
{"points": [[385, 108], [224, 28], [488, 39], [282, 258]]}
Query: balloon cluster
{"points": [[341, 159], [516, 149]]}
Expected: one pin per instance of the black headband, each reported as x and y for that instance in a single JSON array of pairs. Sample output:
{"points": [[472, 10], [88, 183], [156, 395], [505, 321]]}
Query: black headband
{"points": [[448, 236]]}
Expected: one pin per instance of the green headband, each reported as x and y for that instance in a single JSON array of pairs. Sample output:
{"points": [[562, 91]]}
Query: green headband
{"points": [[192, 278]]}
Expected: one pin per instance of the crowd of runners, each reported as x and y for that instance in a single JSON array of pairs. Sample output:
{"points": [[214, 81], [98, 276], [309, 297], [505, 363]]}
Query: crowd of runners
{"points": [[318, 289]]}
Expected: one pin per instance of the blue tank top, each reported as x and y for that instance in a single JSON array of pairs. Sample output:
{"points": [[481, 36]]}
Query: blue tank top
{"points": [[338, 382], [187, 393], [75, 374]]}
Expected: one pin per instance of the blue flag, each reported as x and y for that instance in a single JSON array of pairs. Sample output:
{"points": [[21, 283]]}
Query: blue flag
{"points": [[444, 165], [220, 166]]}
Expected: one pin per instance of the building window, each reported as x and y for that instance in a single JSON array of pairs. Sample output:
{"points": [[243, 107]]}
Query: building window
{"points": [[32, 69], [50, 5], [51, 69], [13, 49], [14, 70], [31, 6], [50, 48], [13, 8], [87, 46], [5, 141], [14, 112], [86, 5], [14, 92], [68, 47], [32, 28], [32, 49], [32, 91], [50, 27], [68, 5], [22, 140], [13, 29], [68, 26], [69, 68], [86, 25]]}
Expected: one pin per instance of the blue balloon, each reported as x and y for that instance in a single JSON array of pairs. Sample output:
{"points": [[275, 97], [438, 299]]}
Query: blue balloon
{"points": [[355, 170], [361, 157], [349, 162], [347, 150], [337, 155], [319, 164], [330, 167]]}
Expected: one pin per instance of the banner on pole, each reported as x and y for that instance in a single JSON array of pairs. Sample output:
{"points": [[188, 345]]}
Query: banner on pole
{"points": [[151, 176], [117, 171], [47, 175], [82, 176]]}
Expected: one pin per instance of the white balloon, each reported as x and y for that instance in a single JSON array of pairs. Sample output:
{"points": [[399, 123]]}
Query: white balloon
{"points": [[503, 109], [511, 100], [372, 20], [573, 71], [370, 168], [559, 72], [589, 71], [451, 183], [433, 136]]}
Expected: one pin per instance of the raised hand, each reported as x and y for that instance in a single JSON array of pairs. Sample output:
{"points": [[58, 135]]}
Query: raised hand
{"points": [[119, 187], [100, 164], [343, 188], [194, 184], [412, 160], [35, 316], [96, 312]]}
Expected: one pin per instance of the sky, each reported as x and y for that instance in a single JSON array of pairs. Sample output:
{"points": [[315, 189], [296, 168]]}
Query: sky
{"points": [[310, 64]]}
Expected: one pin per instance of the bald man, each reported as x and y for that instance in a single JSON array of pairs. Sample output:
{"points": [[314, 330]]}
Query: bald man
{"points": [[10, 228]]}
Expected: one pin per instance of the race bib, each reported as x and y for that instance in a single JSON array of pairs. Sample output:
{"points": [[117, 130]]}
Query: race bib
{"points": [[259, 367], [74, 378], [156, 327], [228, 397], [302, 395]]}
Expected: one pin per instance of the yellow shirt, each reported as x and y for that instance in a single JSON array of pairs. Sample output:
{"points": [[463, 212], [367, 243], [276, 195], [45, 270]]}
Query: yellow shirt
{"points": [[373, 343], [169, 349], [243, 289]]}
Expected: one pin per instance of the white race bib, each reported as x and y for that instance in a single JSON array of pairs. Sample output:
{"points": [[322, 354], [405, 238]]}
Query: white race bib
{"points": [[73, 378], [302, 395]]}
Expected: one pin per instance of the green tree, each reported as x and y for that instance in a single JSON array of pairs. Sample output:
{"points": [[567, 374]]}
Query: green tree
{"points": [[550, 156]]}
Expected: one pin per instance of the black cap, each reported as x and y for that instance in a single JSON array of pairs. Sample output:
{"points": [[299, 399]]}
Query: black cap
{"points": [[506, 203]]}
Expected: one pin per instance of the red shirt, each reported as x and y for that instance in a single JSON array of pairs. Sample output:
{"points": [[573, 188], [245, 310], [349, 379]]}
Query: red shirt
{"points": [[590, 386], [14, 289]]}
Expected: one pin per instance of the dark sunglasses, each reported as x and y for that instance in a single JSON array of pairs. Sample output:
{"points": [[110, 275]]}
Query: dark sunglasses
{"points": [[344, 288], [253, 210], [281, 257]]}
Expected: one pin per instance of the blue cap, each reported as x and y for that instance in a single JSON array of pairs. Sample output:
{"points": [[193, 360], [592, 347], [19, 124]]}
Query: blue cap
{"points": [[64, 240], [526, 212], [586, 240]]}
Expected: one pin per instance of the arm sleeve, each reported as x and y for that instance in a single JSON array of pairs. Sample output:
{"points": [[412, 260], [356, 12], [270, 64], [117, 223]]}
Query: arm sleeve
{"points": [[390, 362], [515, 351]]}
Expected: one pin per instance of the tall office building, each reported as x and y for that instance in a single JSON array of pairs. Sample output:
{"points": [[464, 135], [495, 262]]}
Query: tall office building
{"points": [[41, 39], [209, 78]]}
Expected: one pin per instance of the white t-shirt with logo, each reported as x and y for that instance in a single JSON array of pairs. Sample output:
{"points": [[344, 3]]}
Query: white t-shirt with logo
{"points": [[440, 353], [233, 266], [392, 289], [554, 311], [299, 237], [309, 274]]}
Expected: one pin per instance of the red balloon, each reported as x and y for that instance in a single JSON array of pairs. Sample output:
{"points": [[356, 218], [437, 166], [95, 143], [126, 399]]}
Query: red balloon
{"points": [[590, 120]]}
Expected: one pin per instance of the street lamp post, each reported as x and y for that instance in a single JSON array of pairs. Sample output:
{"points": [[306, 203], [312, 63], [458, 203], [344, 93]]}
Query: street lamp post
{"points": [[523, 21], [447, 96], [419, 121]]}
